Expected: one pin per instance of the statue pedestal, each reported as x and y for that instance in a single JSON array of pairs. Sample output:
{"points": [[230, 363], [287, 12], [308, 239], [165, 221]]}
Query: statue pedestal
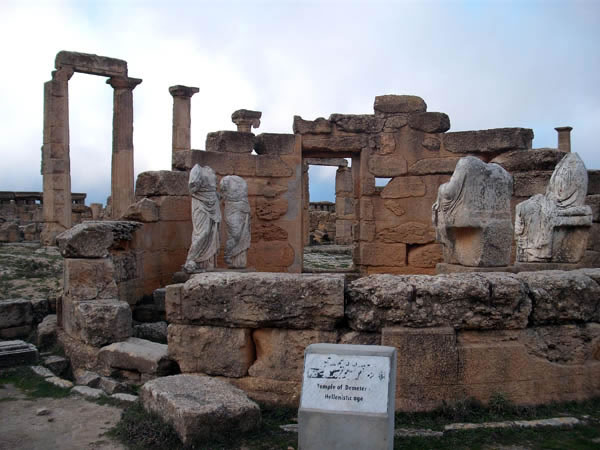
{"points": [[444, 268]]}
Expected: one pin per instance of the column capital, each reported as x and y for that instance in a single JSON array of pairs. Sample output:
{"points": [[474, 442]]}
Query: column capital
{"points": [[246, 119], [563, 128], [123, 82], [63, 74], [183, 91]]}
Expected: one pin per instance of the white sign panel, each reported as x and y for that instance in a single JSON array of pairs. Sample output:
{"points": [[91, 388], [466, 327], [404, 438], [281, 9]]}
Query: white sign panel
{"points": [[346, 383]]}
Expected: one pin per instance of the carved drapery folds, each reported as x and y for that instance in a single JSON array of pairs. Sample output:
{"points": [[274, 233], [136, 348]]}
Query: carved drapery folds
{"points": [[236, 215]]}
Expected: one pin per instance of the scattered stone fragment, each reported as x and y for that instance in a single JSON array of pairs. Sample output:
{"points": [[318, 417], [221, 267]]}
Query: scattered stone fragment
{"points": [[139, 355], [88, 391], [199, 407], [60, 382], [57, 364], [42, 412], [112, 386], [129, 398], [290, 427], [42, 371], [410, 432], [87, 378], [553, 422], [46, 332]]}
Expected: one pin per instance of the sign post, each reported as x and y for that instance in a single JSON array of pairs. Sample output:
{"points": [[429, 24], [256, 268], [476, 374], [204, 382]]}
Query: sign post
{"points": [[348, 396]]}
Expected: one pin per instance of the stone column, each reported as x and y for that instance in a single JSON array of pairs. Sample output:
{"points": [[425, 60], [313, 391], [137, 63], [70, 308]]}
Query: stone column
{"points": [[56, 166], [122, 182], [564, 138], [182, 119]]}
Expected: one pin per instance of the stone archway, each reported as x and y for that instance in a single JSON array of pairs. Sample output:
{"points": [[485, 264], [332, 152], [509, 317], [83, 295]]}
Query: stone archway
{"points": [[56, 164]]}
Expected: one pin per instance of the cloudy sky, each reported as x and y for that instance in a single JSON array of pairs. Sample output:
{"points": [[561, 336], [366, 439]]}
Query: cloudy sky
{"points": [[487, 64]]}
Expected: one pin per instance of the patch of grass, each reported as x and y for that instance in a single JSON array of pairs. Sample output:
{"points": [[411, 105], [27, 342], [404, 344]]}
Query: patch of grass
{"points": [[31, 384], [139, 429]]}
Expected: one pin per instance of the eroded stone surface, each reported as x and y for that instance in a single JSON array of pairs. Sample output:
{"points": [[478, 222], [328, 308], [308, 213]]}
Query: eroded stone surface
{"points": [[137, 354], [200, 407], [94, 239]]}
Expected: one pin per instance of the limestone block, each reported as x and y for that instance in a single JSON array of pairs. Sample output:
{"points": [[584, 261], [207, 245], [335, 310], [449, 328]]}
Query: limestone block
{"points": [[563, 344], [161, 182], [343, 232], [472, 215], [270, 391], [357, 123], [273, 256], [381, 254], [462, 301], [94, 239], [271, 209], [97, 322], [151, 331], [359, 338], [200, 349], [144, 210], [403, 187], [334, 143], [382, 144], [396, 122], [430, 122], [387, 165], [46, 332], [15, 313], [344, 207], [367, 231], [280, 352], [593, 182], [91, 64], [593, 238], [528, 184], [431, 143], [274, 144], [425, 355], [593, 201], [343, 181], [390, 104], [317, 126], [533, 160], [269, 299], [426, 255], [268, 232], [265, 188], [495, 140], [270, 166], [229, 142], [200, 407], [9, 232], [562, 297], [143, 356], [433, 166], [408, 233], [89, 279], [366, 208], [395, 207], [81, 355]]}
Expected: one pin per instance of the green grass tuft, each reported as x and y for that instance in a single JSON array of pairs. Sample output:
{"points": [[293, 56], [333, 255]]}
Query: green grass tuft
{"points": [[31, 384]]}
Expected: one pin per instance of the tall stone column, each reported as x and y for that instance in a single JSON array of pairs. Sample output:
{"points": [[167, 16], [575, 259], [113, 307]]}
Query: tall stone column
{"points": [[122, 182], [56, 165], [564, 138], [182, 117]]}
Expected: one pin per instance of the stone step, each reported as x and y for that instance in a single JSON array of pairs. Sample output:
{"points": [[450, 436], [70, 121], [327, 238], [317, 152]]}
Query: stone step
{"points": [[17, 353]]}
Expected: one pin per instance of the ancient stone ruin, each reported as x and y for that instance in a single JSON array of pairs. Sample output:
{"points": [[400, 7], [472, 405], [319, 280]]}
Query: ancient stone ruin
{"points": [[533, 336]]}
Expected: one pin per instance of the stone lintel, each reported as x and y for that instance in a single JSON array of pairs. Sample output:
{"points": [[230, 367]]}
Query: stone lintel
{"points": [[183, 91], [91, 64], [123, 82], [336, 162]]}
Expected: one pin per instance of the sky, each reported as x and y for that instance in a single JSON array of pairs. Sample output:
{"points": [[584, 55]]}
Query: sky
{"points": [[487, 64]]}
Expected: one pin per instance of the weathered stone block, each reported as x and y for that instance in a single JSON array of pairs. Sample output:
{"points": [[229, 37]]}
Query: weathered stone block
{"points": [[527, 184], [593, 182], [95, 239], [200, 407], [387, 165], [89, 279], [407, 233], [17, 353], [317, 126], [270, 391], [430, 122], [426, 256], [161, 182], [200, 349], [562, 297], [15, 313], [272, 256], [144, 210], [462, 301], [97, 322], [174, 207], [357, 123], [488, 141], [269, 299], [343, 180], [137, 354], [537, 159], [280, 352], [268, 232], [390, 104], [271, 166], [46, 332], [91, 64], [344, 207], [334, 143], [229, 142], [433, 166], [271, 209], [403, 187], [594, 202], [381, 254], [274, 144]]}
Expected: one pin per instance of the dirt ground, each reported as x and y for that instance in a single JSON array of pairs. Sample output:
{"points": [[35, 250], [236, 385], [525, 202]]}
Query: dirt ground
{"points": [[71, 423]]}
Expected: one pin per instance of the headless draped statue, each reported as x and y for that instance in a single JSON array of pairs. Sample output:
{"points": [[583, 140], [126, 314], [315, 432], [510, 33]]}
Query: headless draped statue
{"points": [[234, 191], [206, 218]]}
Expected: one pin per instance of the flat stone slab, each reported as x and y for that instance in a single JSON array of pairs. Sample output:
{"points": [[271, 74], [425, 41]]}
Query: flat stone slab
{"points": [[17, 353], [129, 398], [88, 391], [137, 354], [199, 407], [258, 300], [42, 371], [60, 382], [553, 422]]}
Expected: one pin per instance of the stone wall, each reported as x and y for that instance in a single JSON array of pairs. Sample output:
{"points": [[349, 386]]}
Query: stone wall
{"points": [[321, 223], [534, 337]]}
